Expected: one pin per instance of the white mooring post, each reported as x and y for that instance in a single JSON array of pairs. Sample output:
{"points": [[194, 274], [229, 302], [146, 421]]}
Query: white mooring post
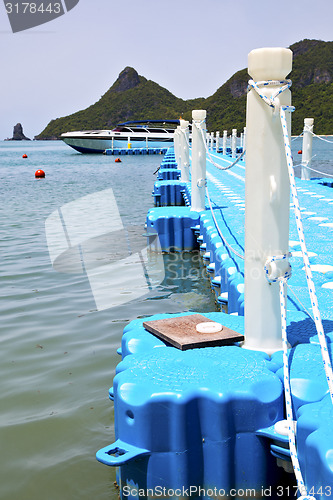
{"points": [[198, 160], [266, 201], [233, 143], [217, 141], [184, 151], [224, 144], [307, 149], [244, 139], [212, 141], [176, 141]]}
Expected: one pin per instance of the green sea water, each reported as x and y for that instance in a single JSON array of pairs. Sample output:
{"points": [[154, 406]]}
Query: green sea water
{"points": [[58, 352]]}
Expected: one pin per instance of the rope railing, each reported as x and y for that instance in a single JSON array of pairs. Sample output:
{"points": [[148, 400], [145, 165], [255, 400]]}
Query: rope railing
{"points": [[308, 271], [297, 137], [313, 134], [304, 308], [324, 174], [321, 138], [210, 156]]}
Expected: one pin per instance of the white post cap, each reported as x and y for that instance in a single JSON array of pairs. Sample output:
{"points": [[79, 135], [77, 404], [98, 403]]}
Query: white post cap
{"points": [[184, 124], [270, 63], [199, 114], [308, 121]]}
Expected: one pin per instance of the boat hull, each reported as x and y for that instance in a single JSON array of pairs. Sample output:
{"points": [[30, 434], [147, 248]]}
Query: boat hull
{"points": [[99, 145]]}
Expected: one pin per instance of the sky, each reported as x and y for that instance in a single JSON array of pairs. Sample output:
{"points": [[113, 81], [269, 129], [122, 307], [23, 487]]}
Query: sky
{"points": [[190, 47]]}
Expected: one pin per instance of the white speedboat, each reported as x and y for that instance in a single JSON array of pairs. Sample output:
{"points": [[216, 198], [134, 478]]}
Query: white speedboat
{"points": [[132, 134]]}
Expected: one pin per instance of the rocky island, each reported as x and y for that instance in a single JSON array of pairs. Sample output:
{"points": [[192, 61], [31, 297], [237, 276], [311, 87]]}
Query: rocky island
{"points": [[18, 134]]}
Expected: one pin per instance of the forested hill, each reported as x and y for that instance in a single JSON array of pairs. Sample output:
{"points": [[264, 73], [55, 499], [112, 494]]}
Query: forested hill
{"points": [[133, 97]]}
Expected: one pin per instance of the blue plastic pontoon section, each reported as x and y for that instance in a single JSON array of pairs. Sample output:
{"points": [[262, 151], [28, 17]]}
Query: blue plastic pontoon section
{"points": [[174, 227], [169, 192], [168, 174], [192, 417]]}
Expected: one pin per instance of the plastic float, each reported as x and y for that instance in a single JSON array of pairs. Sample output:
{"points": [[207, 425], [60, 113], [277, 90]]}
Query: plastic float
{"points": [[135, 151]]}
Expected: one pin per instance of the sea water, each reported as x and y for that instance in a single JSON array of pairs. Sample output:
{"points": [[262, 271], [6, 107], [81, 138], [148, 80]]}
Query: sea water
{"points": [[58, 349], [58, 352]]}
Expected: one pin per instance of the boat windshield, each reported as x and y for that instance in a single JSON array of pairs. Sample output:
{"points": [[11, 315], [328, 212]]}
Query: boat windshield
{"points": [[150, 125], [143, 128]]}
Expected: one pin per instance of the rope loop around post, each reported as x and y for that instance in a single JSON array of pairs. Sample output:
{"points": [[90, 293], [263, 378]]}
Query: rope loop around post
{"points": [[273, 102], [272, 270]]}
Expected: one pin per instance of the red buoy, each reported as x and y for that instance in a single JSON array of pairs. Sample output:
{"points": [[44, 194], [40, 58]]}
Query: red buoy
{"points": [[117, 160], [300, 152], [24, 156], [39, 174]]}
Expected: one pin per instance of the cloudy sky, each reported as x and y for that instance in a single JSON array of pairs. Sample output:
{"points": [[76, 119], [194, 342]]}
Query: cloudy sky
{"points": [[191, 47]]}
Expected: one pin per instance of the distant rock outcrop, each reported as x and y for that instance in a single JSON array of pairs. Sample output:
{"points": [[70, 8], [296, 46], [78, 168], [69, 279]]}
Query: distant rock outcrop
{"points": [[18, 134], [128, 79]]}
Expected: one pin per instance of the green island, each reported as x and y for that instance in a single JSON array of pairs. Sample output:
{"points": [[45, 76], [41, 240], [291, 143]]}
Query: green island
{"points": [[133, 97]]}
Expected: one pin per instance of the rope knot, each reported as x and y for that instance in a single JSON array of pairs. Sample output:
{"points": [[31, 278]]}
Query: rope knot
{"points": [[277, 268], [273, 100]]}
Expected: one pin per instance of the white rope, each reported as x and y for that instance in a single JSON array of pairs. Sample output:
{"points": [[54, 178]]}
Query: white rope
{"points": [[321, 138], [268, 271], [229, 166], [289, 411], [300, 230], [300, 302], [297, 137], [187, 138], [271, 101], [219, 230], [313, 170], [306, 165], [197, 124]]}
